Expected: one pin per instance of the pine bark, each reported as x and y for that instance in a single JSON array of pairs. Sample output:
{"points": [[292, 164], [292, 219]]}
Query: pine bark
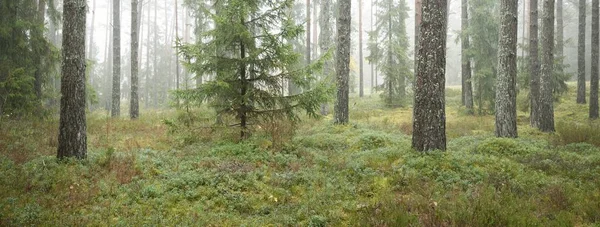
{"points": [[38, 60], [429, 117], [343, 61], [116, 85], [534, 64], [360, 50], [595, 49], [325, 41], [581, 53], [467, 87], [134, 110], [546, 101], [72, 138], [506, 82]]}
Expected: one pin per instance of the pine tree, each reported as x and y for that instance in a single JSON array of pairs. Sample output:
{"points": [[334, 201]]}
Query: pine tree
{"points": [[467, 86], [72, 138], [253, 64], [546, 101], [595, 58], [134, 109], [506, 83], [325, 42], [116, 83], [429, 116], [342, 63], [581, 53], [390, 52], [534, 64]]}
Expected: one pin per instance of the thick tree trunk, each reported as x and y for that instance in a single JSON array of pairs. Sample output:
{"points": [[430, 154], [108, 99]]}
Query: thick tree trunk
{"points": [[534, 64], [134, 109], [360, 50], [72, 138], [116, 85], [506, 83], [467, 87], [429, 117], [595, 49], [343, 61], [546, 101], [581, 53]]}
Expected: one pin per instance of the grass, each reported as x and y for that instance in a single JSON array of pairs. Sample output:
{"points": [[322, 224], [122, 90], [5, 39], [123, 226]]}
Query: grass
{"points": [[154, 171]]}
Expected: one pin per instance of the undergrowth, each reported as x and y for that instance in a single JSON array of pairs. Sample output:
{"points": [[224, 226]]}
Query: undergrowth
{"points": [[161, 171]]}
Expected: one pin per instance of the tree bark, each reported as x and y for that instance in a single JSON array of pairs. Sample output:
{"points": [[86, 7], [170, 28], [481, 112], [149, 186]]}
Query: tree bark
{"points": [[429, 117], [546, 101], [38, 59], [595, 48], [116, 86], [534, 64], [134, 110], [506, 83], [467, 87], [325, 41], [343, 61], [581, 53], [72, 138], [360, 50]]}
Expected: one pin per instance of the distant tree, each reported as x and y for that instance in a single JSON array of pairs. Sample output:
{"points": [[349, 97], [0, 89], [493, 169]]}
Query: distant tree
{"points": [[483, 48], [467, 86], [326, 42], [506, 83], [390, 52], [361, 92], [534, 64], [116, 83], [72, 138], [546, 101], [429, 117], [581, 53], [134, 109], [342, 65], [595, 59], [254, 62]]}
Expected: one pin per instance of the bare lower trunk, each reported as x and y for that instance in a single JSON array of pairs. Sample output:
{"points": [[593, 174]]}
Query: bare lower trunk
{"points": [[581, 54], [534, 64], [595, 49], [134, 110], [116, 89], [467, 87], [506, 83], [546, 101], [343, 61], [429, 116], [72, 138]]}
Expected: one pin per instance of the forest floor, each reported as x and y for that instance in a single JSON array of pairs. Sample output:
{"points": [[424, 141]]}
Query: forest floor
{"points": [[160, 171]]}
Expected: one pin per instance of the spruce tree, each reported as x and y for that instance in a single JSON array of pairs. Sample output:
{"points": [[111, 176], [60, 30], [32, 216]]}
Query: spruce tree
{"points": [[253, 63]]}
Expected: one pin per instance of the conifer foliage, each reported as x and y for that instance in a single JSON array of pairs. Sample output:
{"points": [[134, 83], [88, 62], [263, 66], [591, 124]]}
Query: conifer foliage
{"points": [[251, 63]]}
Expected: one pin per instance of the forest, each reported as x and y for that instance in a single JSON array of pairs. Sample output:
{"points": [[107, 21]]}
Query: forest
{"points": [[299, 113]]}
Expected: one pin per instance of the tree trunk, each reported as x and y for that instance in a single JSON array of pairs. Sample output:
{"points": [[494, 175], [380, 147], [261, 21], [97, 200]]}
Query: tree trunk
{"points": [[108, 57], [72, 138], [418, 18], [38, 60], [325, 41], [546, 101], [594, 76], [308, 50], [360, 50], [534, 64], [116, 89], [343, 60], [506, 83], [134, 110], [581, 53], [559, 34], [429, 117], [467, 87]]}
